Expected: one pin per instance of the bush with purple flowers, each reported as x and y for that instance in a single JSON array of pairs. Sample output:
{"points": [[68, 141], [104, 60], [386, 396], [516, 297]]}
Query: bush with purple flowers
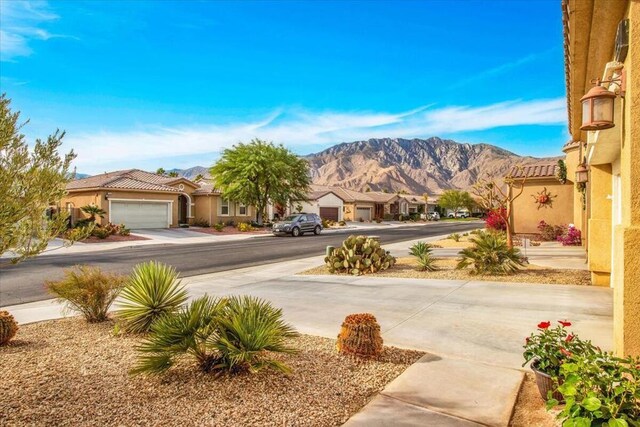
{"points": [[571, 237]]}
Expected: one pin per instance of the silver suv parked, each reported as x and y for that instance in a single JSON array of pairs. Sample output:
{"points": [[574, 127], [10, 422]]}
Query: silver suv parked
{"points": [[298, 224]]}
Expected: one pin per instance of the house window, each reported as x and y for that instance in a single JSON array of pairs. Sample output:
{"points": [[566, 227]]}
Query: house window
{"points": [[224, 207], [242, 209]]}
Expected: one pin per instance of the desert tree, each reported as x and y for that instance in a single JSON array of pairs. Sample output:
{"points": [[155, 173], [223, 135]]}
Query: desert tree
{"points": [[161, 171], [32, 182], [456, 200], [498, 197], [261, 173]]}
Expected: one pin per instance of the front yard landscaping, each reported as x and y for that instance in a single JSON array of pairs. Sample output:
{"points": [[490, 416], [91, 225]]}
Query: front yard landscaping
{"points": [[69, 372], [405, 268], [113, 238]]}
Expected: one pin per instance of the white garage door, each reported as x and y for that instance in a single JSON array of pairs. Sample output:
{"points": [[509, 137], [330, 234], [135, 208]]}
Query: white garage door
{"points": [[140, 214], [364, 213]]}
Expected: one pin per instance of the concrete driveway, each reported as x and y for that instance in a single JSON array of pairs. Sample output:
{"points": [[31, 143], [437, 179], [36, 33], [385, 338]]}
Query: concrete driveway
{"points": [[477, 320]]}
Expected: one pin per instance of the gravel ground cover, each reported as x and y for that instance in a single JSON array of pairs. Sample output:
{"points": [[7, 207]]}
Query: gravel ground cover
{"points": [[406, 268], [229, 230], [68, 372], [530, 408]]}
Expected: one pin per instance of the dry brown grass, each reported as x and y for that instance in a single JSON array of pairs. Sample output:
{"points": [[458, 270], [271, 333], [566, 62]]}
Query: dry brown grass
{"points": [[68, 372], [406, 268]]}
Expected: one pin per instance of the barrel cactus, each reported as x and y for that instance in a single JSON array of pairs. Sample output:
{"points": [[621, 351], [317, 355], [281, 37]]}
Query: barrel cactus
{"points": [[360, 336], [8, 327], [359, 255]]}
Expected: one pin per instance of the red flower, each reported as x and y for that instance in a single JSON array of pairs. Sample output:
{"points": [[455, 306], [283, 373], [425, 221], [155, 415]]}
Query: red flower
{"points": [[565, 352], [569, 338], [527, 339], [544, 325], [564, 323]]}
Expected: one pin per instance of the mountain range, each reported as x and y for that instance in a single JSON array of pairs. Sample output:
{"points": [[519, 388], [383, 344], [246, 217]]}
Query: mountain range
{"points": [[414, 165]]}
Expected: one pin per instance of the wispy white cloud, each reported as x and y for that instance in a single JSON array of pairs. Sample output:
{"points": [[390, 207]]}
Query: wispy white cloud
{"points": [[22, 22], [297, 128], [501, 68]]}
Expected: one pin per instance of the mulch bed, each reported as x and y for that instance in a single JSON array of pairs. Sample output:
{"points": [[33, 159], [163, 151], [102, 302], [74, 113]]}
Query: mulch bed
{"points": [[114, 238], [530, 408], [406, 268], [229, 230], [69, 372]]}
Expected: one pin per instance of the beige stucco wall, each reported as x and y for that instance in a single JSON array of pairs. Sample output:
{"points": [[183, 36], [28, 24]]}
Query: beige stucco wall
{"points": [[626, 236], [599, 227], [525, 212]]}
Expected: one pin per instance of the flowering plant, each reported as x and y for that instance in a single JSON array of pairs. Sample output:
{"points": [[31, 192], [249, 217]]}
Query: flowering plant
{"points": [[600, 390], [550, 348], [571, 237], [495, 219]]}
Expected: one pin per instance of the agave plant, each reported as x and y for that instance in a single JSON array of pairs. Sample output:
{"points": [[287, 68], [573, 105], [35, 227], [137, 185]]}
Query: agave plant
{"points": [[419, 249], [153, 291], [427, 262], [490, 255], [236, 334]]}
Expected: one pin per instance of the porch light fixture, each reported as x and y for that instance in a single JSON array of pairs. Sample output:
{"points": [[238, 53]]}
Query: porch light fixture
{"points": [[597, 105], [582, 174]]}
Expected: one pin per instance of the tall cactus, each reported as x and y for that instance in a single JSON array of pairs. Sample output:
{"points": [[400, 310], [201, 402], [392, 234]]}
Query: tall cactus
{"points": [[360, 336], [8, 327], [359, 255]]}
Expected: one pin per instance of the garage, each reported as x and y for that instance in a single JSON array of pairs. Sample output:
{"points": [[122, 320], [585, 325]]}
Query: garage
{"points": [[330, 213], [139, 214], [364, 213]]}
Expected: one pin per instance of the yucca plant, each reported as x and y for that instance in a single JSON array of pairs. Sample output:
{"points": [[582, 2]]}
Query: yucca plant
{"points": [[490, 255], [88, 290], [153, 290], [419, 249], [233, 334]]}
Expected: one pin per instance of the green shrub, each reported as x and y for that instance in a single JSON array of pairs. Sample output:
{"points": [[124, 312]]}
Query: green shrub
{"points": [[600, 390], [419, 249], [378, 220], [455, 237], [359, 255], [153, 290], [101, 233], [219, 226], [124, 231], [80, 233], [237, 334], [342, 223], [88, 291], [490, 255]]}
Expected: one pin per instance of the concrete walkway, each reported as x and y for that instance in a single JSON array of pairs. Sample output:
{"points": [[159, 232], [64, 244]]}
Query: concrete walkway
{"points": [[472, 330]]}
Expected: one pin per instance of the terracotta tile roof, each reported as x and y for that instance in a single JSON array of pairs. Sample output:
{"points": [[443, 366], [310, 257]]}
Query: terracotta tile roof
{"points": [[127, 179], [569, 145], [540, 170]]}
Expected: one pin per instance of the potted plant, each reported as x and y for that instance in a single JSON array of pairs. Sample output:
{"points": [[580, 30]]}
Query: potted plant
{"points": [[548, 349]]}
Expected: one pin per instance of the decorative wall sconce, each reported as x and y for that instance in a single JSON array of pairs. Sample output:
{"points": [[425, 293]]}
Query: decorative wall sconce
{"points": [[597, 104]]}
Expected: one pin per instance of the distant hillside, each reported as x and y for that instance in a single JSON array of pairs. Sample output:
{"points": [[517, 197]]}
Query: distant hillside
{"points": [[417, 165], [191, 173]]}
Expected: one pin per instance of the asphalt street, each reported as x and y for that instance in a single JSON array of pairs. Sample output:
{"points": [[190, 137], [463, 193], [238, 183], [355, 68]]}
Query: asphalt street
{"points": [[24, 282]]}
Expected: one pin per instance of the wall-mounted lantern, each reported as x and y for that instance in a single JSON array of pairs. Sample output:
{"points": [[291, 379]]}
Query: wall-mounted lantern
{"points": [[582, 174], [597, 104]]}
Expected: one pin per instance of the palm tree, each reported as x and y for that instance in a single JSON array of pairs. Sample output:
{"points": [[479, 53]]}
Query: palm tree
{"points": [[93, 211], [199, 177], [160, 171], [173, 174]]}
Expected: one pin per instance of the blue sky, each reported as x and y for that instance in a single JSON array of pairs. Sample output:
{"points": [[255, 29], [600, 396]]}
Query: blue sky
{"points": [[149, 84]]}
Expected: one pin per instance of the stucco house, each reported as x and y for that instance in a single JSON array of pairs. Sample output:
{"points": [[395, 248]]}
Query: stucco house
{"points": [[325, 202], [602, 41], [141, 199], [540, 178]]}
